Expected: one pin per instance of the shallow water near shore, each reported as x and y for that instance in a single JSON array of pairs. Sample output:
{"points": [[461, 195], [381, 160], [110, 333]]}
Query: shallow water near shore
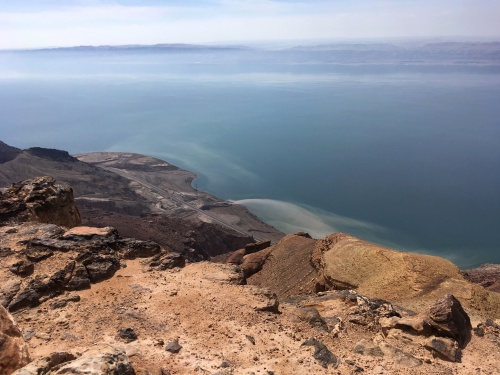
{"points": [[406, 158]]}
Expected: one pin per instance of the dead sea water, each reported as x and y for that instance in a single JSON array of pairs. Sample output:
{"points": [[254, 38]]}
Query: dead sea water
{"points": [[408, 158]]}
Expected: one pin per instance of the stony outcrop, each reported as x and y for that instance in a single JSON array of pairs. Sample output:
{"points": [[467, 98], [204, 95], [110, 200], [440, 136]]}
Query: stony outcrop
{"points": [[39, 199], [13, 349], [444, 347], [236, 257], [413, 280], [54, 261], [46, 364], [487, 275], [489, 330], [448, 318], [165, 260], [297, 265], [321, 353], [252, 263], [99, 360]]}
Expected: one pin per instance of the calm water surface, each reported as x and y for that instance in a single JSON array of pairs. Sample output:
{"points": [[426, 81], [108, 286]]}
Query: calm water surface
{"points": [[403, 157]]}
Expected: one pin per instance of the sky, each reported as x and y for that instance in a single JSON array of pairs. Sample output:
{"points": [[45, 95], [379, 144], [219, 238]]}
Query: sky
{"points": [[58, 23]]}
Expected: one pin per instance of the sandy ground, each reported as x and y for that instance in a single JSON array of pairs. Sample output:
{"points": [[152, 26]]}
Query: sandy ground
{"points": [[216, 323]]}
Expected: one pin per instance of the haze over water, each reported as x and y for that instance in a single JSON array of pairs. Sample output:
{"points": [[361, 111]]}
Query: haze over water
{"points": [[404, 156]]}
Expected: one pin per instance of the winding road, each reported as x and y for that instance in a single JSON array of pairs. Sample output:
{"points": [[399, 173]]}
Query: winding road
{"points": [[176, 199]]}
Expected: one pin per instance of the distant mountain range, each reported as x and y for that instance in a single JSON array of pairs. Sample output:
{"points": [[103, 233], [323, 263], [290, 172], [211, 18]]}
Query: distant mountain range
{"points": [[414, 53], [180, 47]]}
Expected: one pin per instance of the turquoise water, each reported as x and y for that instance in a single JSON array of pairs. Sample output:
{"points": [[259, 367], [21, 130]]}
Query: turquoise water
{"points": [[405, 157]]}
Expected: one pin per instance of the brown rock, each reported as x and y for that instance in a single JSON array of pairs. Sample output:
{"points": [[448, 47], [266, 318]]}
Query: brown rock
{"points": [[399, 356], [39, 199], [448, 318], [486, 275], [13, 349], [321, 353], [407, 279], [45, 364], [8, 291], [236, 257], [253, 263], [445, 348], [89, 232], [173, 347], [416, 323], [257, 246], [266, 300], [22, 268], [311, 316], [285, 268], [367, 347], [227, 274], [101, 359], [407, 323], [166, 261]]}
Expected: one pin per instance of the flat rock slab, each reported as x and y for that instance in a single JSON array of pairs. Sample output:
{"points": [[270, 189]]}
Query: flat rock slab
{"points": [[84, 231]]}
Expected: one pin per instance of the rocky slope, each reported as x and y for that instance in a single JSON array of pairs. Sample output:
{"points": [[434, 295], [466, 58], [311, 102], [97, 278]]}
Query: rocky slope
{"points": [[183, 220], [87, 300], [341, 261], [8, 153], [487, 275]]}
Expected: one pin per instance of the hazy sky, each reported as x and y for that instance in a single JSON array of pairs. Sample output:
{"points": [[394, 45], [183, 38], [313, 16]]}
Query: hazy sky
{"points": [[44, 23]]}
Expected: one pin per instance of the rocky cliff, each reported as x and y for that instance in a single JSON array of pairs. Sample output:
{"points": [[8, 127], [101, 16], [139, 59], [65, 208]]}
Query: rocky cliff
{"points": [[40, 200]]}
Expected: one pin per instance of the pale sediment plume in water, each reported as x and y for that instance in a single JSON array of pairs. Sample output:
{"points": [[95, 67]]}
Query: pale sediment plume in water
{"points": [[290, 218]]}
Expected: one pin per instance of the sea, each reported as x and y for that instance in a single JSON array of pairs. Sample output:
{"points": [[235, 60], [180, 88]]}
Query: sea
{"points": [[406, 156]]}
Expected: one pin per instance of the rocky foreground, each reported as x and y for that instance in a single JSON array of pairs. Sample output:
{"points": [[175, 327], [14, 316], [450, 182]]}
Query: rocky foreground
{"points": [[84, 300]]}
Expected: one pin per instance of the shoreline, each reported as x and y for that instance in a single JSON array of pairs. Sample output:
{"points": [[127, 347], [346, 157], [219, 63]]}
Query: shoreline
{"points": [[174, 184]]}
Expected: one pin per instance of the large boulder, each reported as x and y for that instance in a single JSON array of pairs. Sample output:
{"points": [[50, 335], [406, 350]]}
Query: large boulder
{"points": [[39, 199], [13, 349], [448, 318]]}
